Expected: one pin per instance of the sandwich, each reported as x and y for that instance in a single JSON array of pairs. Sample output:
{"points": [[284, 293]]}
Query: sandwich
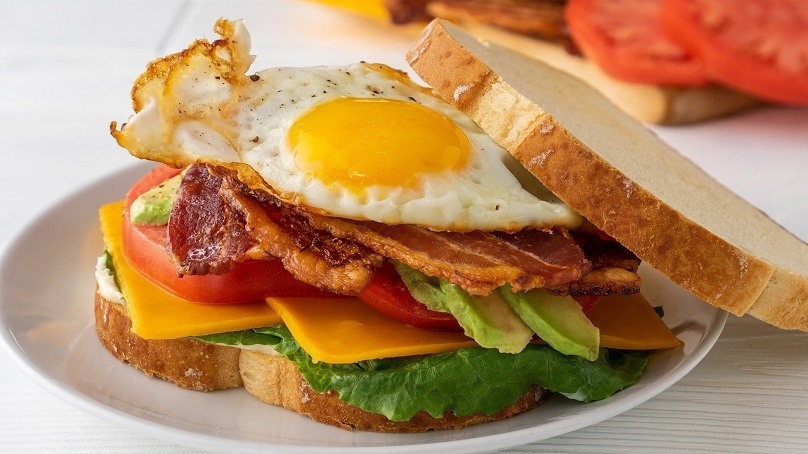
{"points": [[664, 62], [378, 255]]}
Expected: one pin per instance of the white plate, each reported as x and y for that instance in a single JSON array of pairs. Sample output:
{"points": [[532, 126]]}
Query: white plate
{"points": [[46, 293]]}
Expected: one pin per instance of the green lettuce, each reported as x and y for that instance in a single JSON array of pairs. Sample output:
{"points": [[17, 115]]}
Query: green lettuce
{"points": [[463, 382]]}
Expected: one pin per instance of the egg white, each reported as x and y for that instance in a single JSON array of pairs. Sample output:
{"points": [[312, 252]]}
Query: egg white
{"points": [[200, 110]]}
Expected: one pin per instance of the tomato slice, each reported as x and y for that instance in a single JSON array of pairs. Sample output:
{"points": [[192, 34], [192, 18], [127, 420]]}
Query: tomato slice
{"points": [[757, 46], [587, 302], [388, 295], [145, 250], [625, 39]]}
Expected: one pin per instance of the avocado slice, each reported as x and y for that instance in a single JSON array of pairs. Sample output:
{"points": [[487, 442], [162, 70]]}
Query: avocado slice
{"points": [[153, 207], [425, 289], [489, 320], [558, 320], [486, 319]]}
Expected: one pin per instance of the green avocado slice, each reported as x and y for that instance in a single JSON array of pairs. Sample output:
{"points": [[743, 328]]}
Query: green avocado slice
{"points": [[558, 320], [153, 207]]}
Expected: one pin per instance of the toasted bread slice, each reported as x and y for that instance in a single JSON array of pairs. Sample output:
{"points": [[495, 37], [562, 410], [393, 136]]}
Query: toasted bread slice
{"points": [[622, 177], [188, 363]]}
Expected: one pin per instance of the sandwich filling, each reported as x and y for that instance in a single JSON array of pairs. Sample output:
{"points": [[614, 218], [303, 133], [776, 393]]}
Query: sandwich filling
{"points": [[345, 346]]}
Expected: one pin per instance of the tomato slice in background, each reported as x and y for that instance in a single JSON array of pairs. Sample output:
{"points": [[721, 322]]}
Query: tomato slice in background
{"points": [[757, 46], [387, 294], [145, 250], [625, 39]]}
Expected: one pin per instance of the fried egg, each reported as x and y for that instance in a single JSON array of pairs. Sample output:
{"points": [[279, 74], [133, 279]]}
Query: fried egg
{"points": [[361, 142]]}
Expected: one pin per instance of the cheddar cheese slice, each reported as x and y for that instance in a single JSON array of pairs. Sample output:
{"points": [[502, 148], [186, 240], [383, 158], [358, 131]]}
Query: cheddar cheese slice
{"points": [[346, 330], [628, 322], [158, 314]]}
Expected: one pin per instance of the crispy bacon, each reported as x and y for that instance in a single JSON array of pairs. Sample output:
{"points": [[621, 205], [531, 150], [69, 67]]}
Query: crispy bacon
{"points": [[479, 262], [212, 215], [206, 234], [340, 254]]}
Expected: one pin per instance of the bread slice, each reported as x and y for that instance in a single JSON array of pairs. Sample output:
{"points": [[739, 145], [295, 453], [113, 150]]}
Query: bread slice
{"points": [[188, 363], [193, 364], [622, 177]]}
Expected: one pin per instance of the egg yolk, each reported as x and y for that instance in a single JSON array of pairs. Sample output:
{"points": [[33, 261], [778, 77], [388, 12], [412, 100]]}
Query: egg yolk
{"points": [[360, 142]]}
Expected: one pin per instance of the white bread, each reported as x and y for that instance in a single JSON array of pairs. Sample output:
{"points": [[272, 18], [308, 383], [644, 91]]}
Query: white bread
{"points": [[193, 364], [656, 104], [188, 363], [620, 176]]}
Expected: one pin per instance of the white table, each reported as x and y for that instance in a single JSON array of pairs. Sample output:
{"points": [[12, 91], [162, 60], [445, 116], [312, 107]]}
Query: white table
{"points": [[66, 69]]}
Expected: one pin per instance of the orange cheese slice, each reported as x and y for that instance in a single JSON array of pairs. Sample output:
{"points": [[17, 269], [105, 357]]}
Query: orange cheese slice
{"points": [[158, 314], [628, 322], [346, 330]]}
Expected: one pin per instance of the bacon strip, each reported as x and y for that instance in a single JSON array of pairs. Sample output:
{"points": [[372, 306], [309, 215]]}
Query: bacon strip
{"points": [[479, 262], [340, 255], [211, 215], [205, 232]]}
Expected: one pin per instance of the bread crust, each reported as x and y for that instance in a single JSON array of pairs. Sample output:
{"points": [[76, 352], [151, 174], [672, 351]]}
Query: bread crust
{"points": [[275, 380], [271, 378], [758, 267], [186, 362]]}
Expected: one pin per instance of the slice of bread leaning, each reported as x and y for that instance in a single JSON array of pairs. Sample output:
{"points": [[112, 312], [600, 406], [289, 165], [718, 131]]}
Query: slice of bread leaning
{"points": [[622, 177]]}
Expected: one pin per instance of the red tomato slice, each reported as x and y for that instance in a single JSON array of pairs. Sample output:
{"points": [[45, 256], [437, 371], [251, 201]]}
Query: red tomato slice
{"points": [[757, 46], [587, 302], [145, 250], [625, 39], [388, 295]]}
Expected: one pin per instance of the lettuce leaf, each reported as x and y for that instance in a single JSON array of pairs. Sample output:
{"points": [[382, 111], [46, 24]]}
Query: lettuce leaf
{"points": [[464, 382]]}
